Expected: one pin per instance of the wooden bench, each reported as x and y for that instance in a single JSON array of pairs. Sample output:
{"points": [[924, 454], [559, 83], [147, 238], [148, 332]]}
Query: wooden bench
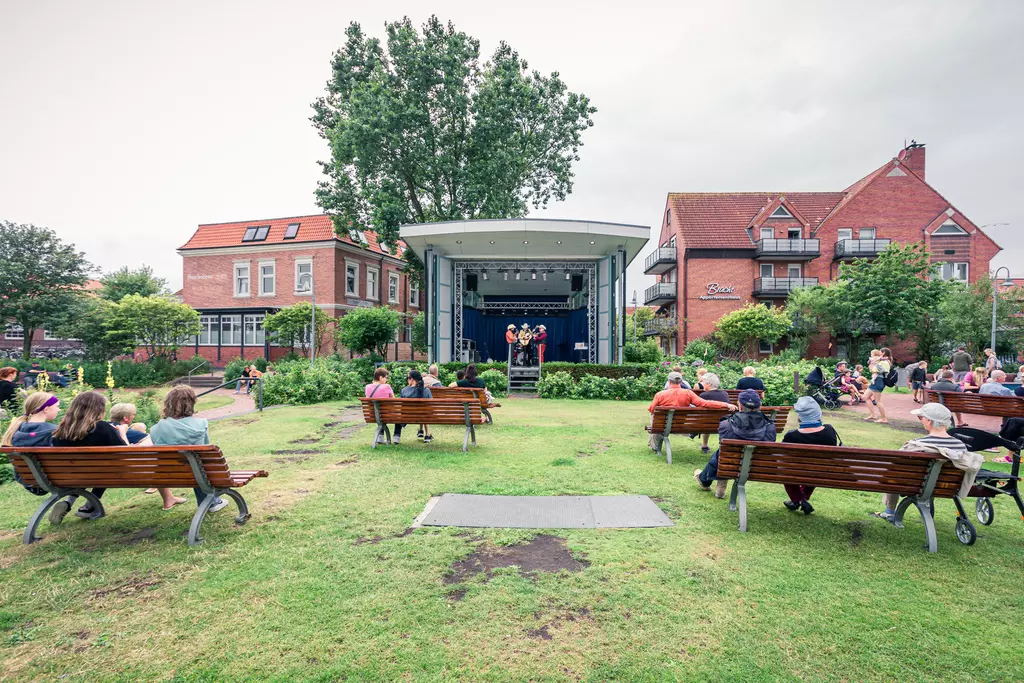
{"points": [[428, 411], [734, 394], [71, 471], [702, 421], [978, 404], [919, 477], [464, 393]]}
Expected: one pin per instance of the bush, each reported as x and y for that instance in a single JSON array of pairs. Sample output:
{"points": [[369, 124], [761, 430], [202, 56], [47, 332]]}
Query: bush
{"points": [[496, 381], [578, 370], [302, 383], [646, 351], [702, 350], [556, 385], [562, 385]]}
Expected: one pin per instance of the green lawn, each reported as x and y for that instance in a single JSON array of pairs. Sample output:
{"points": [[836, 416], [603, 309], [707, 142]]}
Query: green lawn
{"points": [[323, 584]]}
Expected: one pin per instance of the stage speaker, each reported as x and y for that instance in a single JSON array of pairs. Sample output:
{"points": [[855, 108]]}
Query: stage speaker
{"points": [[577, 283], [471, 282]]}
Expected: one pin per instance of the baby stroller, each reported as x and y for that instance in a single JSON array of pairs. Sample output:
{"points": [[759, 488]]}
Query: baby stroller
{"points": [[822, 391], [990, 483]]}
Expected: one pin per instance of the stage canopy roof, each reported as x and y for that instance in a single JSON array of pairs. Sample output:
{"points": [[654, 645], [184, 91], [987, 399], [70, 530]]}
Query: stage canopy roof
{"points": [[526, 238]]}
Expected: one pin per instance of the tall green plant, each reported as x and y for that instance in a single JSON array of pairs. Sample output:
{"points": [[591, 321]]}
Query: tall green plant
{"points": [[291, 326], [368, 330], [742, 328]]}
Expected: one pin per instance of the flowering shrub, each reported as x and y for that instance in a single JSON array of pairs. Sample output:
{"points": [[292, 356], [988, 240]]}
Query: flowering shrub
{"points": [[300, 383]]}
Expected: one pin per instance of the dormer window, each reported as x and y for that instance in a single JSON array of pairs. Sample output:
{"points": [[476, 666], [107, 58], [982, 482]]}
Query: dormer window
{"points": [[781, 212], [256, 233], [949, 229], [291, 231]]}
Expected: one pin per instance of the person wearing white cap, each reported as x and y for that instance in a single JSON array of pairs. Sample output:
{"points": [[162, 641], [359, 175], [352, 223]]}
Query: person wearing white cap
{"points": [[936, 419]]}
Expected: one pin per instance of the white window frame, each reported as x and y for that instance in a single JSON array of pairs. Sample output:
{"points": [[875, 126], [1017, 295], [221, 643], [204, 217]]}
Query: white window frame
{"points": [[767, 233], [785, 212], [273, 277], [355, 279], [966, 268], [844, 234], [799, 270], [298, 276], [765, 347], [770, 266], [798, 231], [14, 332], [235, 333], [861, 235], [414, 294], [956, 230], [207, 327], [370, 295], [672, 242], [49, 336], [394, 278], [253, 322], [236, 277]]}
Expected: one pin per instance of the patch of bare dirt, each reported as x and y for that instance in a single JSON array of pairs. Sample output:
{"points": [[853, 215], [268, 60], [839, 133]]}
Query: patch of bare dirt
{"points": [[139, 536], [856, 530], [583, 454], [545, 553], [457, 595], [342, 464], [297, 451], [134, 585], [292, 459], [542, 633], [307, 440], [363, 540], [602, 446]]}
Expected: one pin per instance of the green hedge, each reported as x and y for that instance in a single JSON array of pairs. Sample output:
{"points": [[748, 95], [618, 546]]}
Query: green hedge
{"points": [[579, 370]]}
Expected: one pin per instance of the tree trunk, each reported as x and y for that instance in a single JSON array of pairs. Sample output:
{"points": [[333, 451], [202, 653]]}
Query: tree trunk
{"points": [[26, 342]]}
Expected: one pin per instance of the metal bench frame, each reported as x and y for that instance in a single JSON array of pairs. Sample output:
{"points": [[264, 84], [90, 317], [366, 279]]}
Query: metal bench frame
{"points": [[59, 492], [382, 428], [667, 445]]}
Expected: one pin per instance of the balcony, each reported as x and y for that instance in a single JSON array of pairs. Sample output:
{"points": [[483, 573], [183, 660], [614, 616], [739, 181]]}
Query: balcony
{"points": [[661, 260], [781, 286], [660, 327], [849, 249], [660, 294], [791, 249]]}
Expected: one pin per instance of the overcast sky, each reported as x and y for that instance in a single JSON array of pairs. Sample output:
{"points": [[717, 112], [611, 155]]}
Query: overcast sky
{"points": [[123, 125]]}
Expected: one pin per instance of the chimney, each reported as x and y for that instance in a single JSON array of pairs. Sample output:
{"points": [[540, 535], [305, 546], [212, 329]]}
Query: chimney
{"points": [[912, 156]]}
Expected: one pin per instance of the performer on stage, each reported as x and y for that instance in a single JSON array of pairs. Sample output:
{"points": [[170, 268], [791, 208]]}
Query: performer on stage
{"points": [[525, 337], [510, 338], [540, 338]]}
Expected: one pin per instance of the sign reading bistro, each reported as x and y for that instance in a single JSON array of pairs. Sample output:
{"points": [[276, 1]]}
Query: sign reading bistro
{"points": [[717, 292]]}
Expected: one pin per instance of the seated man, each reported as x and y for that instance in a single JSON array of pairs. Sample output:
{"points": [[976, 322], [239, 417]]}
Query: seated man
{"points": [[749, 424], [32, 374], [677, 397], [993, 386], [459, 376], [748, 381], [944, 382], [936, 419], [431, 378]]}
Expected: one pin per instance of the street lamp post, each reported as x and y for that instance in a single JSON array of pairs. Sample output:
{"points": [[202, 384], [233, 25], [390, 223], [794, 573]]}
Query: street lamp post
{"points": [[995, 290], [312, 315]]}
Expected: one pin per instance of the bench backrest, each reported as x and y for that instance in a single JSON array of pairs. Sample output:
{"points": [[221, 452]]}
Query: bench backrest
{"points": [[978, 404], [839, 467], [705, 420], [734, 394], [434, 411], [461, 393], [121, 466]]}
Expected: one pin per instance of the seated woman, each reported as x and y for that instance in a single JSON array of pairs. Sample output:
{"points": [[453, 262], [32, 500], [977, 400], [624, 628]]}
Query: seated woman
{"points": [[84, 424], [34, 428], [414, 389], [973, 380], [9, 390], [712, 392], [811, 431]]}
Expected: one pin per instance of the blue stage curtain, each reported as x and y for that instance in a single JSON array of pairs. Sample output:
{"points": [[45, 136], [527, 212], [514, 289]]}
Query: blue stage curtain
{"points": [[564, 331]]}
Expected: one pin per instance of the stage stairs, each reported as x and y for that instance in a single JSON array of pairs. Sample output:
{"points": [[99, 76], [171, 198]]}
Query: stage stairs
{"points": [[523, 379]]}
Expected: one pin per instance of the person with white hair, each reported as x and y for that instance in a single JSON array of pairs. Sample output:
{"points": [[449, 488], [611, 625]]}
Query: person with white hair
{"points": [[993, 386], [712, 392], [432, 379]]}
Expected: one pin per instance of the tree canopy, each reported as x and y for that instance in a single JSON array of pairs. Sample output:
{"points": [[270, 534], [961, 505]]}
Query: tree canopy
{"points": [[157, 323], [754, 322], [39, 277], [420, 131], [124, 281], [368, 330], [965, 315], [291, 325]]}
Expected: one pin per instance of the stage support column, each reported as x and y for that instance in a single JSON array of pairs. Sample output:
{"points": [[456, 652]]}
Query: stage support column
{"points": [[622, 304]]}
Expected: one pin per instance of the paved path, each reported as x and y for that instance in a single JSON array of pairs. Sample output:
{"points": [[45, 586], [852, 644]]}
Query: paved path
{"points": [[898, 407], [243, 403]]}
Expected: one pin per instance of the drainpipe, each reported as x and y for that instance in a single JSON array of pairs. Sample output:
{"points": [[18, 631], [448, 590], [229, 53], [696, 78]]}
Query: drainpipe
{"points": [[686, 299]]}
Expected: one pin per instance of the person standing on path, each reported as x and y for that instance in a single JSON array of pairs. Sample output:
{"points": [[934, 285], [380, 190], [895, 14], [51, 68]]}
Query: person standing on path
{"points": [[991, 362], [880, 364], [960, 362]]}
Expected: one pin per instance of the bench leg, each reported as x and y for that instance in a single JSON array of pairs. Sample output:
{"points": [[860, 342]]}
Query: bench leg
{"points": [[732, 497], [740, 492], [37, 517], [94, 502], [465, 440], [472, 434], [487, 415], [668, 449], [198, 517], [243, 509], [925, 507]]}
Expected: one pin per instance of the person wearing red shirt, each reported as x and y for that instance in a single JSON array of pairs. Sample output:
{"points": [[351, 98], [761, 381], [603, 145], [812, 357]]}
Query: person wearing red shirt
{"points": [[677, 397]]}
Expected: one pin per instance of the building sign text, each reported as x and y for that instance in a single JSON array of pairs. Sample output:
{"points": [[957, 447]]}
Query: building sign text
{"points": [[717, 292]]}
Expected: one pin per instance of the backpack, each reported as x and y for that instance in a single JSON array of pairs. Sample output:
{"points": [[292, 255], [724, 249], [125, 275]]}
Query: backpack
{"points": [[890, 378]]}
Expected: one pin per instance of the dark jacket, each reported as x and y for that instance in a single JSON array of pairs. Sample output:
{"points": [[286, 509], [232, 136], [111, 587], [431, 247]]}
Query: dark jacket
{"points": [[747, 426], [8, 394], [32, 435], [918, 374]]}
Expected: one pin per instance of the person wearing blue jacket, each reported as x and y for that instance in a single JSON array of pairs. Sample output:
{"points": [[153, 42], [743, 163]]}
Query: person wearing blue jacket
{"points": [[747, 424]]}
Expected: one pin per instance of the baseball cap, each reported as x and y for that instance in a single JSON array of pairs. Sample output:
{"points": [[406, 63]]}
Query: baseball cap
{"points": [[936, 412], [675, 377], [749, 399]]}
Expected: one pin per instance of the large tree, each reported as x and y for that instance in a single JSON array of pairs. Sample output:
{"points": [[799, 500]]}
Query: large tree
{"points": [[739, 330], [965, 316], [160, 324], [369, 330], [39, 276], [290, 326], [420, 131], [124, 281]]}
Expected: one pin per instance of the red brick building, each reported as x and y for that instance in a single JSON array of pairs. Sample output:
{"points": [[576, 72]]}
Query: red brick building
{"points": [[721, 250], [45, 343], [237, 273]]}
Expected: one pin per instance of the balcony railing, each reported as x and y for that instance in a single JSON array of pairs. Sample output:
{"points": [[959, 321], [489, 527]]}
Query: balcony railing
{"points": [[789, 248], [660, 327], [781, 286], [659, 294], [661, 260], [861, 248]]}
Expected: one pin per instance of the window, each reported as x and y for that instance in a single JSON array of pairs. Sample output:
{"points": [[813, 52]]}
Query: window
{"points": [[384, 247], [291, 231], [767, 233], [781, 212], [256, 233], [268, 277], [352, 279], [764, 347], [241, 279], [414, 294], [231, 330], [845, 233], [867, 233], [51, 336], [949, 229], [957, 271], [672, 242], [14, 332], [254, 334], [357, 236], [668, 216], [303, 276], [794, 233], [372, 284], [767, 270], [393, 287], [209, 333], [794, 270]]}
